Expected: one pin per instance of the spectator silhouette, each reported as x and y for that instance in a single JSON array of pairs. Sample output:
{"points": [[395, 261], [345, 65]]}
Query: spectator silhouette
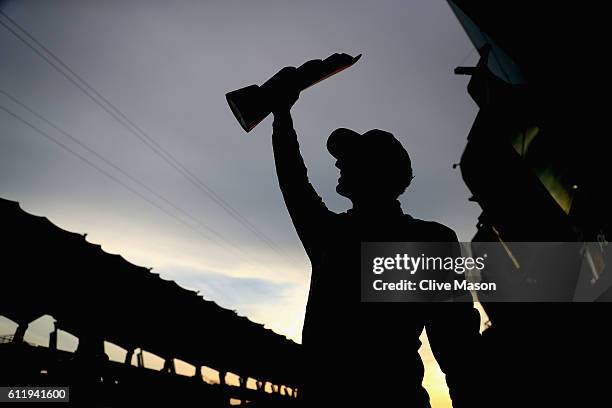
{"points": [[365, 353]]}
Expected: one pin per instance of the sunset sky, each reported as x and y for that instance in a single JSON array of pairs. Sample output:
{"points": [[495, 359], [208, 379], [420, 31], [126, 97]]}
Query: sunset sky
{"points": [[166, 66]]}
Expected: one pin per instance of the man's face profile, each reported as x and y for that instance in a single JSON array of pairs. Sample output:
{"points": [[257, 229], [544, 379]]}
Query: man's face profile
{"points": [[362, 179]]}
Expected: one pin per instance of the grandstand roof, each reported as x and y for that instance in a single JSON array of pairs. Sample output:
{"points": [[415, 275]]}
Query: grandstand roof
{"points": [[93, 293]]}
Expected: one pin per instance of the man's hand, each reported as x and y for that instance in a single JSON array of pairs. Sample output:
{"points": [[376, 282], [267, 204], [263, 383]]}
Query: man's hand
{"points": [[283, 89]]}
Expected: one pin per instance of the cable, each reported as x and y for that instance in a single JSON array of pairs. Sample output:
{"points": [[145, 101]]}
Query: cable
{"points": [[150, 142], [108, 162], [89, 163], [224, 243]]}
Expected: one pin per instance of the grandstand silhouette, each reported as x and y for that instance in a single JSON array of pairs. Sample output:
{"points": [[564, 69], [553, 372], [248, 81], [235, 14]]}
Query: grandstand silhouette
{"points": [[100, 297]]}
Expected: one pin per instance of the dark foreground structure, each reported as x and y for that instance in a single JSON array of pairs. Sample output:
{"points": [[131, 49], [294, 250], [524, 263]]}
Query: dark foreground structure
{"points": [[101, 297], [537, 165]]}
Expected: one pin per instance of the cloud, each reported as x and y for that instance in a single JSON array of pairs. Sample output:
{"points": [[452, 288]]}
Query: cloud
{"points": [[231, 291], [279, 305]]}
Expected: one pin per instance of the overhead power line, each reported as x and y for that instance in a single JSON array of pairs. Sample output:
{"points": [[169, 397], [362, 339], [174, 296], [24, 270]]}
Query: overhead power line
{"points": [[220, 240], [96, 167], [68, 73]]}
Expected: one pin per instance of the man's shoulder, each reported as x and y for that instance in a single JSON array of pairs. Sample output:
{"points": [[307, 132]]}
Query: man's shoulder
{"points": [[432, 230]]}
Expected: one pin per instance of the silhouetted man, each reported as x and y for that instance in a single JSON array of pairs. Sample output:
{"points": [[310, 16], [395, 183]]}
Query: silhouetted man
{"points": [[365, 353]]}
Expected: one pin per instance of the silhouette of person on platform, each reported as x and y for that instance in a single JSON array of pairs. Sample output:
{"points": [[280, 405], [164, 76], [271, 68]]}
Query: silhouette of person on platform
{"points": [[366, 353]]}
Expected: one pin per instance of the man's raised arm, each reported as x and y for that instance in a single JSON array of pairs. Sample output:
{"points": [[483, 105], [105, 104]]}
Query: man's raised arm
{"points": [[306, 208]]}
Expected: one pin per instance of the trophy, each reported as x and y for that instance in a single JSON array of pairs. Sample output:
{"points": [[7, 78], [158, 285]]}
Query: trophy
{"points": [[249, 104]]}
